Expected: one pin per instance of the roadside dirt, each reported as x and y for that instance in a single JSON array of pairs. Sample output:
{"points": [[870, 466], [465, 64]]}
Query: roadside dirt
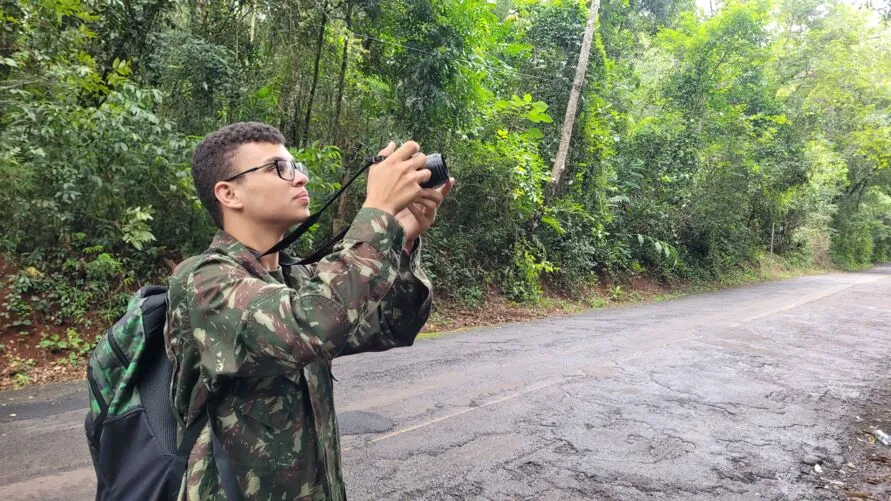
{"points": [[496, 309], [865, 470], [24, 362]]}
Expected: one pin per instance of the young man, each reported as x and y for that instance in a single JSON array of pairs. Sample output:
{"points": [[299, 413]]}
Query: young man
{"points": [[252, 340]]}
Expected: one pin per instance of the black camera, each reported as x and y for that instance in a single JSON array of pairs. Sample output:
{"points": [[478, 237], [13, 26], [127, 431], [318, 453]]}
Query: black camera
{"points": [[439, 172], [436, 163]]}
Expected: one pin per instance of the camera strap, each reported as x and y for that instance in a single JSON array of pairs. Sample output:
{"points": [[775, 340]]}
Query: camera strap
{"points": [[325, 249]]}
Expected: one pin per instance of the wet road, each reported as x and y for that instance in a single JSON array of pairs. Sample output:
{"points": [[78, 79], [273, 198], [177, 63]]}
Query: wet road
{"points": [[727, 395]]}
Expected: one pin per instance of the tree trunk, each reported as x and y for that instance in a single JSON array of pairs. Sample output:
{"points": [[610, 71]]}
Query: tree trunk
{"points": [[296, 94], [336, 126], [572, 106], [343, 204], [315, 79], [253, 21]]}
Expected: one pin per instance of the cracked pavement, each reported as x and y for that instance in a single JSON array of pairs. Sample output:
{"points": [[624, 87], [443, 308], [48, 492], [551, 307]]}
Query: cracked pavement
{"points": [[727, 395]]}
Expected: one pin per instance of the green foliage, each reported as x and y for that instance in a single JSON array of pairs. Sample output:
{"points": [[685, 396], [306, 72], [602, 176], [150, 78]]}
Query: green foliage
{"points": [[20, 369], [702, 144], [843, 102], [135, 228], [577, 241], [22, 379], [72, 342], [863, 235], [522, 280], [197, 77], [103, 267]]}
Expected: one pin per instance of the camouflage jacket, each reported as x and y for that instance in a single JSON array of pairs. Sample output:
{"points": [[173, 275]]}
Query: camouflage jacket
{"points": [[257, 346]]}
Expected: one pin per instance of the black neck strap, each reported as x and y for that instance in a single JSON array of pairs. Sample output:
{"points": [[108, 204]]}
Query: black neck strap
{"points": [[313, 219]]}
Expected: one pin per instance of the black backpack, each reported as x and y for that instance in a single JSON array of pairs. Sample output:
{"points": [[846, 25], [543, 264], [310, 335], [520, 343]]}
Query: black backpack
{"points": [[131, 430]]}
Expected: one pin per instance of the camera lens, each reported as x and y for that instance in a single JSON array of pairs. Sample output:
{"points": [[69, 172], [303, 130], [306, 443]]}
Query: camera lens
{"points": [[439, 172]]}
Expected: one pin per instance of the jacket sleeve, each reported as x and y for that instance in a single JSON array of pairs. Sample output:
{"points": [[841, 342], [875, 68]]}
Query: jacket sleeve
{"points": [[246, 327], [402, 313]]}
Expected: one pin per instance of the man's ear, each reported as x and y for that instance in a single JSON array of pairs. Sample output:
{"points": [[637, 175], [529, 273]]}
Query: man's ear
{"points": [[227, 196]]}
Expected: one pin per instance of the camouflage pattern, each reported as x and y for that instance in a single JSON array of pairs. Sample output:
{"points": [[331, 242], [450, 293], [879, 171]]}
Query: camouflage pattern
{"points": [[259, 346], [113, 364]]}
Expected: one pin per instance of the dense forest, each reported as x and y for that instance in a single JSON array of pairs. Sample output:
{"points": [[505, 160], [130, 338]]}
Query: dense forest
{"points": [[704, 139]]}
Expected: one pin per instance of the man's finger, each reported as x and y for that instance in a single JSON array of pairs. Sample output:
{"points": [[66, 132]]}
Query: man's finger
{"points": [[432, 194], [422, 175], [420, 215], [446, 187], [417, 162], [405, 151], [427, 203], [388, 150], [416, 207]]}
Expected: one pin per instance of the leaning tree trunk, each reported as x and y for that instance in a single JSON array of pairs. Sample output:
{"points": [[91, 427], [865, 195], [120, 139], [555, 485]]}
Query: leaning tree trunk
{"points": [[572, 106]]}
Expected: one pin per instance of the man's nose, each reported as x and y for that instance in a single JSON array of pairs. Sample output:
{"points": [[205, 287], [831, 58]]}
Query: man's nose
{"points": [[300, 179]]}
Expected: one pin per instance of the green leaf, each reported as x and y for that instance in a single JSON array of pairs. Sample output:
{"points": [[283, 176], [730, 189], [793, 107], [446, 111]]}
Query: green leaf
{"points": [[533, 134], [538, 117], [553, 223], [263, 92], [512, 49]]}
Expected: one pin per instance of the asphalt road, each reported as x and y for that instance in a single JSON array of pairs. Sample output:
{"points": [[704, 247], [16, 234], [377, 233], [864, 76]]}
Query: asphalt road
{"points": [[728, 395]]}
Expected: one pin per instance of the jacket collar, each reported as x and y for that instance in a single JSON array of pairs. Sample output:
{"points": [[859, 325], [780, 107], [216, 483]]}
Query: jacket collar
{"points": [[225, 243]]}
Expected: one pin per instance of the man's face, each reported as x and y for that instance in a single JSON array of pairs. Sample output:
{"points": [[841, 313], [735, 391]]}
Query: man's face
{"points": [[267, 198]]}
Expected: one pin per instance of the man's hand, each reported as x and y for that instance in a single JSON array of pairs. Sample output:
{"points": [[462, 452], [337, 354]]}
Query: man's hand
{"points": [[395, 182], [420, 214]]}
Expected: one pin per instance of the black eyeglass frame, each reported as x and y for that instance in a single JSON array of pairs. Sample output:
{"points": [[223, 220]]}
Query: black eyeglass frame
{"points": [[298, 167]]}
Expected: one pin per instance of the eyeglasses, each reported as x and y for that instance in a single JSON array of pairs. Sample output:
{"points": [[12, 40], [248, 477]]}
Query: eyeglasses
{"points": [[286, 169]]}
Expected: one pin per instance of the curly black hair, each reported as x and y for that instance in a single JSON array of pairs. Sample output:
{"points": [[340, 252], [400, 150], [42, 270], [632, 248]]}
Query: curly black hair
{"points": [[212, 159]]}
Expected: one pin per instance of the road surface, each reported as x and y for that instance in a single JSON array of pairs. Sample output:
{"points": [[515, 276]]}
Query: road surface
{"points": [[736, 394]]}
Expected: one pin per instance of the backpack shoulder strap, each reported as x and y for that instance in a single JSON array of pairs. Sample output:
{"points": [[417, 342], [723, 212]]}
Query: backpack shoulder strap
{"points": [[227, 474], [190, 436]]}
